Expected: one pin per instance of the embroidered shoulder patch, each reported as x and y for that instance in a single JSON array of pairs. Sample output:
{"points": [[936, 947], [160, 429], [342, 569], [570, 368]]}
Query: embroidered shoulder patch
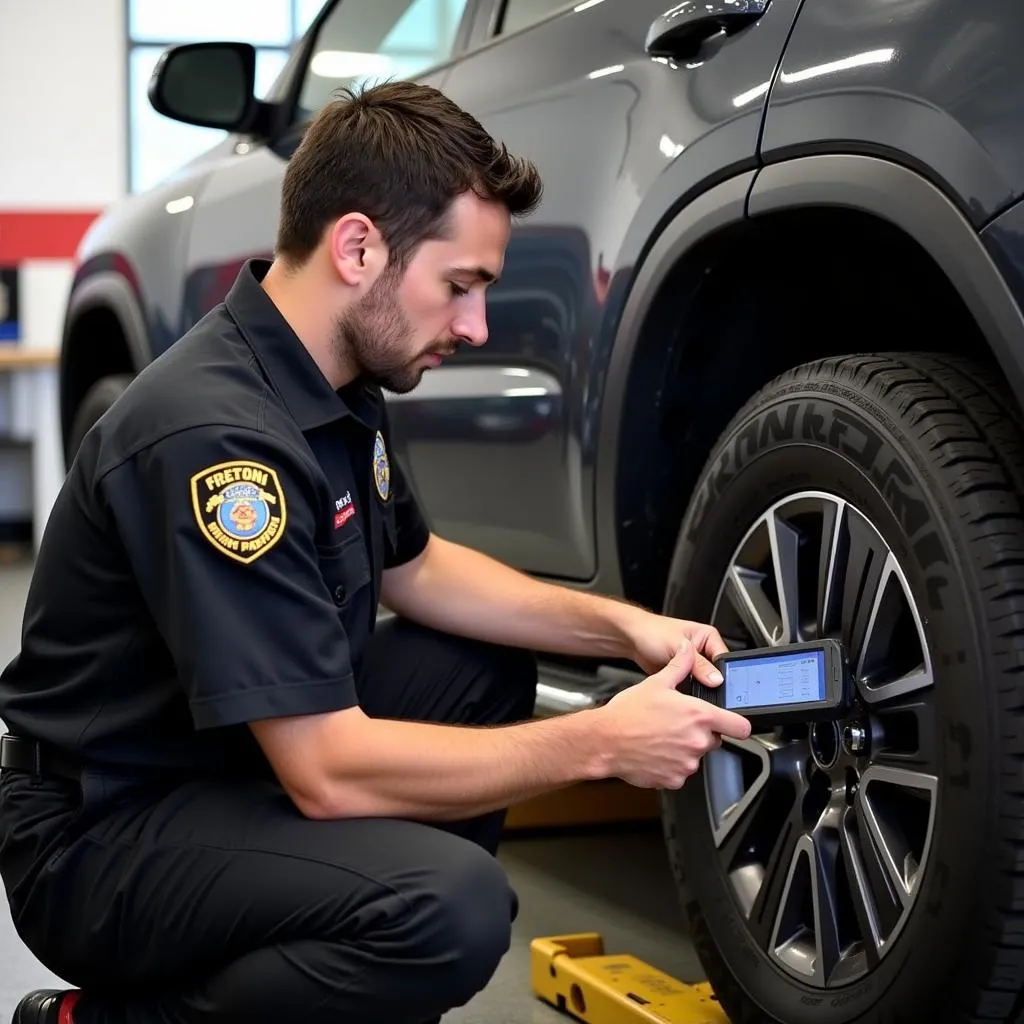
{"points": [[240, 508]]}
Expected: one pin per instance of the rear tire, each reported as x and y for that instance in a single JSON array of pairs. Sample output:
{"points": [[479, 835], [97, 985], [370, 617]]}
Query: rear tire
{"points": [[98, 399], [919, 461]]}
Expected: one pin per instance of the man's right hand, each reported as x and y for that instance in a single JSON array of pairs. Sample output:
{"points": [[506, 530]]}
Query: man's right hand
{"points": [[657, 735]]}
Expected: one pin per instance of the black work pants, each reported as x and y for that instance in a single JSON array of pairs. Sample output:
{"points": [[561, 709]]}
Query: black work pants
{"points": [[220, 902]]}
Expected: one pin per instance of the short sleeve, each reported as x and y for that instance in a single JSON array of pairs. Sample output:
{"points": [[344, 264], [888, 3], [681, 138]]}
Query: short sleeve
{"points": [[411, 530], [219, 525]]}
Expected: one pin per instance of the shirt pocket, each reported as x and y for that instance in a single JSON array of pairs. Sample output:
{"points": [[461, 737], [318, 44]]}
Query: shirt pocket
{"points": [[346, 569]]}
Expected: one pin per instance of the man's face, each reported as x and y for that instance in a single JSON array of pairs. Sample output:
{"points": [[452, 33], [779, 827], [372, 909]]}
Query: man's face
{"points": [[408, 322]]}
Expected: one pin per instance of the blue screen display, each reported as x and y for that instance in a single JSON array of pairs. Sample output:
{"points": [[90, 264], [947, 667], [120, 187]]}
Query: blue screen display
{"points": [[775, 680]]}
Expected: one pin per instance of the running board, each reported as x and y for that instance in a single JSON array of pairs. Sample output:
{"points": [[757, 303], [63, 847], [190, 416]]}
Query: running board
{"points": [[562, 689]]}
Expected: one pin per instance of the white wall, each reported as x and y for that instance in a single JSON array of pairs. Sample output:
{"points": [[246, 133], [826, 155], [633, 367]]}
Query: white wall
{"points": [[63, 158], [62, 112]]}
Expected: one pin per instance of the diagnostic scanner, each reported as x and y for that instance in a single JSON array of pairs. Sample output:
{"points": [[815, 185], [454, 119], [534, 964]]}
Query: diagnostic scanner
{"points": [[790, 683]]}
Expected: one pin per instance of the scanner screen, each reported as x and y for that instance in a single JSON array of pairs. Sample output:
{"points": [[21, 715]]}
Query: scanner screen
{"points": [[775, 680]]}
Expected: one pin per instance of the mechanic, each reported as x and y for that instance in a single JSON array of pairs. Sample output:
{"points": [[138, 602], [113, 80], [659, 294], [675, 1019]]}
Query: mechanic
{"points": [[226, 793]]}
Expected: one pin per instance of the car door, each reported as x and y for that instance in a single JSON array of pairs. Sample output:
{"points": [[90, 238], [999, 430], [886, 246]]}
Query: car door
{"points": [[351, 42], [502, 440]]}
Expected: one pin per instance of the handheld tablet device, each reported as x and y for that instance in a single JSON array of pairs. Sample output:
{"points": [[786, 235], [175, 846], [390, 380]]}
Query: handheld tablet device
{"points": [[803, 682]]}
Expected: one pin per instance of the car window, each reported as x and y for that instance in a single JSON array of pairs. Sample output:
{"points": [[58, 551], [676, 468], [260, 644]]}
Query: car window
{"points": [[520, 13], [364, 41]]}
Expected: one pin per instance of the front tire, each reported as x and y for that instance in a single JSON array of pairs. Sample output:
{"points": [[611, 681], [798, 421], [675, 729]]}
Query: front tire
{"points": [[877, 500]]}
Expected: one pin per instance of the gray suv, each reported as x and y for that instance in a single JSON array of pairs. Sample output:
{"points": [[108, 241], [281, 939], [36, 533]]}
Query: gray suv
{"points": [[757, 360]]}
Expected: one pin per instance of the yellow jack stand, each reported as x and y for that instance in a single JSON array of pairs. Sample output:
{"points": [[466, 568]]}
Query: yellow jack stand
{"points": [[573, 974]]}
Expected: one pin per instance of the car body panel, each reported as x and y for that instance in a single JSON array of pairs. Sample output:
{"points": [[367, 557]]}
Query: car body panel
{"points": [[1004, 240], [622, 141], [516, 448], [145, 238], [931, 83]]}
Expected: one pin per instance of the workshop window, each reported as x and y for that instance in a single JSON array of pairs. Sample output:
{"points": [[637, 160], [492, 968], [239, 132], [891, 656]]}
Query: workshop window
{"points": [[363, 42], [521, 13], [360, 41], [159, 145]]}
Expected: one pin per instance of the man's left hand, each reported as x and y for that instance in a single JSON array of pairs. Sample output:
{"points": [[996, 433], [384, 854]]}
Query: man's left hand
{"points": [[656, 638]]}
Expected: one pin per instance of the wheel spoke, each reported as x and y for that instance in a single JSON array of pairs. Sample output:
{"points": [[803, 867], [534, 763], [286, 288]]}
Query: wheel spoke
{"points": [[892, 656], [805, 926], [750, 799], [731, 795], [823, 853], [778, 867], [863, 900], [904, 736], [830, 566], [864, 556], [785, 545], [745, 591], [897, 807]]}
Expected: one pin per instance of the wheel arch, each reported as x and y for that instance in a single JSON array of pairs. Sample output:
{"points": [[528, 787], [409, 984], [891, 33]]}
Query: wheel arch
{"points": [[922, 211], [103, 305], [671, 273]]}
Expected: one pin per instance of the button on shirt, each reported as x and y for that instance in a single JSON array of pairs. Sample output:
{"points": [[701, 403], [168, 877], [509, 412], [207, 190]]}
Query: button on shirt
{"points": [[215, 555]]}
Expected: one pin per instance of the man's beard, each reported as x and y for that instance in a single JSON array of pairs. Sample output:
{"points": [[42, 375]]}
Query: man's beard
{"points": [[374, 335]]}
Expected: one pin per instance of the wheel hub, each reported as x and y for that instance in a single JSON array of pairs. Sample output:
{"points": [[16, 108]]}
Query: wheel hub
{"points": [[840, 751], [855, 739], [823, 832], [825, 739]]}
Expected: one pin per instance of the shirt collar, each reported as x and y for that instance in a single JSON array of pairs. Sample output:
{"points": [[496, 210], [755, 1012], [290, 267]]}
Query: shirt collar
{"points": [[292, 371]]}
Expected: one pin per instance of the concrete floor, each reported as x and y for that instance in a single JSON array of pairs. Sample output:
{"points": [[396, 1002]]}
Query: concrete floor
{"points": [[613, 881]]}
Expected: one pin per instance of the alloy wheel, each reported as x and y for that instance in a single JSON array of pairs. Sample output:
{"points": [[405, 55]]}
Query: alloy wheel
{"points": [[824, 832]]}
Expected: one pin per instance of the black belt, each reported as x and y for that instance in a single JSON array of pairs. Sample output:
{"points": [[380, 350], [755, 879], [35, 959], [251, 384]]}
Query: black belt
{"points": [[18, 754]]}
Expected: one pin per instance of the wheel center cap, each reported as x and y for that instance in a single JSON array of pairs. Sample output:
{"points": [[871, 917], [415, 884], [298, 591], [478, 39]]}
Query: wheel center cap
{"points": [[825, 744]]}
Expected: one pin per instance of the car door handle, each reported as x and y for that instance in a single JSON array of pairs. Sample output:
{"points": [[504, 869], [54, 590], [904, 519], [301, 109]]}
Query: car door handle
{"points": [[681, 30]]}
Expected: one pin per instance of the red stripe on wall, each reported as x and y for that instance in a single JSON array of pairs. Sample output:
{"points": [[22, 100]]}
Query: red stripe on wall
{"points": [[42, 234]]}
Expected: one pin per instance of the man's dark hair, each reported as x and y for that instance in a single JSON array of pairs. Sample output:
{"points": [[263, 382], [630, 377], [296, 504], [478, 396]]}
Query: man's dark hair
{"points": [[399, 153]]}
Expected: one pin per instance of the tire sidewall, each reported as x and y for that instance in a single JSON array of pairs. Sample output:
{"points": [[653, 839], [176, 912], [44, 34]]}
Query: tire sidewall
{"points": [[99, 399], [822, 436]]}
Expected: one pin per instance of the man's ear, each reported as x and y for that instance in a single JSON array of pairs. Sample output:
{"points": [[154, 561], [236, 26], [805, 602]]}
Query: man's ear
{"points": [[357, 250]]}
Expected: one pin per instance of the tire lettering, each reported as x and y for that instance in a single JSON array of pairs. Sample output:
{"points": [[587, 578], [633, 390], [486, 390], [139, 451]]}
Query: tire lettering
{"points": [[774, 429], [911, 514], [750, 438], [864, 453], [850, 435], [813, 424]]}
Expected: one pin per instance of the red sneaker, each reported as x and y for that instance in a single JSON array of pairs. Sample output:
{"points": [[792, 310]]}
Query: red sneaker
{"points": [[46, 1006]]}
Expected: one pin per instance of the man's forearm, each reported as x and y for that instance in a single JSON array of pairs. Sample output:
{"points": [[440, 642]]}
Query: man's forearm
{"points": [[457, 590], [389, 768]]}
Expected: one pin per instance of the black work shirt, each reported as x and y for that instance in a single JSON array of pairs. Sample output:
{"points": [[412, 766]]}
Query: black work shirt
{"points": [[215, 555]]}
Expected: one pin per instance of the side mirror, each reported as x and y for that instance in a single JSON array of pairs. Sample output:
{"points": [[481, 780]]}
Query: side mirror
{"points": [[207, 84]]}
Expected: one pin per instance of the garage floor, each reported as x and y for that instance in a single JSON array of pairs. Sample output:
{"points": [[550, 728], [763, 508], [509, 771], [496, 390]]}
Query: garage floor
{"points": [[613, 881]]}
